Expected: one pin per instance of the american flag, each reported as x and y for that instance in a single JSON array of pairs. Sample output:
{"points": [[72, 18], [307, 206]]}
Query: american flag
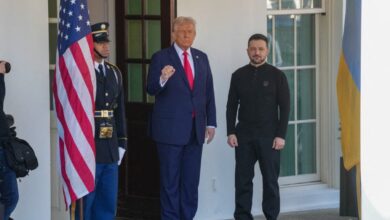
{"points": [[74, 91]]}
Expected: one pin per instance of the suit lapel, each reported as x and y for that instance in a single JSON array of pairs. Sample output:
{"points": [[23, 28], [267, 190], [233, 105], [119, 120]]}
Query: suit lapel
{"points": [[197, 73]]}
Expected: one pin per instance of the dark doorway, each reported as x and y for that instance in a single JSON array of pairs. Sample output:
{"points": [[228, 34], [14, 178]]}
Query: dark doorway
{"points": [[142, 28]]}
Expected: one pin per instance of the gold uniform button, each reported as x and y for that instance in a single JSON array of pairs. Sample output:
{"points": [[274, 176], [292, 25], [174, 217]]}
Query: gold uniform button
{"points": [[106, 93], [107, 104]]}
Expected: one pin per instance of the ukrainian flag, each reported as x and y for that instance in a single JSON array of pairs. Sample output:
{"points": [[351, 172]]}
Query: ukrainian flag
{"points": [[348, 85]]}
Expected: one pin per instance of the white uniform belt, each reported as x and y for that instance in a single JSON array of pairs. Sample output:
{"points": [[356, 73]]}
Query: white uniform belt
{"points": [[104, 114]]}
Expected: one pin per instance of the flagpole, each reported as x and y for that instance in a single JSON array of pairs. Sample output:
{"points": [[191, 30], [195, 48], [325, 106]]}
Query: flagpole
{"points": [[81, 209], [358, 190], [72, 211]]}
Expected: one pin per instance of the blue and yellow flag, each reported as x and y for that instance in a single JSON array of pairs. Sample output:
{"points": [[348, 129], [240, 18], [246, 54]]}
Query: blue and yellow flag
{"points": [[348, 85]]}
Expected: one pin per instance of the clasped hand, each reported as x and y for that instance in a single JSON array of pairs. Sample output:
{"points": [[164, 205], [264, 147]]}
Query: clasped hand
{"points": [[167, 72]]}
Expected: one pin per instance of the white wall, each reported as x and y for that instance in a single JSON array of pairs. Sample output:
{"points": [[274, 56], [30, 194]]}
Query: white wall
{"points": [[375, 108], [223, 29], [24, 43]]}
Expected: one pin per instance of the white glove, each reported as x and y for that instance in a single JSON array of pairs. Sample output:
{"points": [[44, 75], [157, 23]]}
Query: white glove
{"points": [[122, 152]]}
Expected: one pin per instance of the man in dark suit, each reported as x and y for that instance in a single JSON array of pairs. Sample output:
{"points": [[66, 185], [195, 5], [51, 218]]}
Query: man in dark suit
{"points": [[110, 131], [183, 117]]}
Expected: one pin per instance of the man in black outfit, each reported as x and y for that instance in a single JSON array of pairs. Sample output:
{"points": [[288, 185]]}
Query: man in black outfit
{"points": [[261, 93]]}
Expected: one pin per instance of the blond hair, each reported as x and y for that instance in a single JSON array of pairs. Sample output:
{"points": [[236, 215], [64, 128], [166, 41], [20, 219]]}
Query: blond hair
{"points": [[182, 20]]}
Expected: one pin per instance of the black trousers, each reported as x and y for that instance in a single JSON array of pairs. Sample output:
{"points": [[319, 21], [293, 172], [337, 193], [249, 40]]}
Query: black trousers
{"points": [[249, 151]]}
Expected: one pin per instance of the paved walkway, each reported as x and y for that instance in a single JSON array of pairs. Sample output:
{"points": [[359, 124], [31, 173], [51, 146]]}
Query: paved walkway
{"points": [[327, 214], [324, 214]]}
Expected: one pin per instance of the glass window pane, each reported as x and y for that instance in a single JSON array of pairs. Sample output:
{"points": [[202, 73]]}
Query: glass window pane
{"points": [[153, 7], [134, 7], [134, 41], [317, 4], [287, 155], [306, 39], [291, 85], [273, 4], [278, 55], [291, 4], [135, 83], [153, 37], [294, 4], [312, 3], [270, 43], [307, 148], [53, 8], [150, 99], [306, 94], [284, 37], [52, 43]]}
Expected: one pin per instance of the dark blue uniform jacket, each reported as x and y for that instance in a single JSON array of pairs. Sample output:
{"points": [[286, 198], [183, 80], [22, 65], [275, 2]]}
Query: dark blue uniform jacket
{"points": [[109, 96]]}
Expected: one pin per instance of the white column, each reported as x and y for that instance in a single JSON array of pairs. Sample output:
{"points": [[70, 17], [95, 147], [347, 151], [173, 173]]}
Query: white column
{"points": [[375, 110], [24, 43]]}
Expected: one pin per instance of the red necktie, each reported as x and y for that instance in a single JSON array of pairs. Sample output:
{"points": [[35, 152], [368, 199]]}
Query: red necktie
{"points": [[188, 70]]}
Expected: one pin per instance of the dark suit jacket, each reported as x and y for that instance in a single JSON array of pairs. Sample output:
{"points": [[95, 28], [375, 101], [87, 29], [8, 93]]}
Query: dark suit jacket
{"points": [[171, 121]]}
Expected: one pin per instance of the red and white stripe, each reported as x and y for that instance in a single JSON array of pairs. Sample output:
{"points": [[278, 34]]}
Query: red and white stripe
{"points": [[74, 91]]}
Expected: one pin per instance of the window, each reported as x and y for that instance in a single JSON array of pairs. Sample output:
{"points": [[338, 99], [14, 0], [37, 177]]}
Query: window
{"points": [[292, 30], [143, 25], [295, 4]]}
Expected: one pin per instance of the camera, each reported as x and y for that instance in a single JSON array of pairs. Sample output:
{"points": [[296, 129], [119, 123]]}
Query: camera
{"points": [[10, 120], [5, 67]]}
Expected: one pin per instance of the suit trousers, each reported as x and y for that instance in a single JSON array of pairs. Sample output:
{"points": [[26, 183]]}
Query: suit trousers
{"points": [[249, 151], [179, 179], [101, 203]]}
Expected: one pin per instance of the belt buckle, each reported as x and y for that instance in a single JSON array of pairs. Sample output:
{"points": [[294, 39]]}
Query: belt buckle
{"points": [[105, 114], [105, 131]]}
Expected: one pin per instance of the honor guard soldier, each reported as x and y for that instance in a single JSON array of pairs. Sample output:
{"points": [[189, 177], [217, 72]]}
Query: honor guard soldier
{"points": [[110, 132]]}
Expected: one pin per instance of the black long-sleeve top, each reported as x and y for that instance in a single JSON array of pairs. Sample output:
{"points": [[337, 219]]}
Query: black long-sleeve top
{"points": [[4, 128], [262, 98]]}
